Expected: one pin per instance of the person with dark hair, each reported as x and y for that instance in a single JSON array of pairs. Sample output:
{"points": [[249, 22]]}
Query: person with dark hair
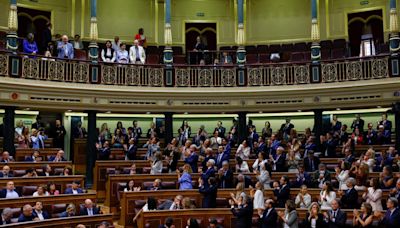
{"points": [[209, 192], [168, 223], [192, 223], [282, 191], [289, 217], [243, 212], [108, 53]]}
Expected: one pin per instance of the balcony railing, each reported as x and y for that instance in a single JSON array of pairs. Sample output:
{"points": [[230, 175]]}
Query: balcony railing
{"points": [[274, 74]]}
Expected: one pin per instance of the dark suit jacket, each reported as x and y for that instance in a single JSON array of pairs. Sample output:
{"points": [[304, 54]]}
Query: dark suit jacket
{"points": [[226, 180], [307, 165], [44, 213], [104, 153], [391, 221], [9, 174], [243, 216], [209, 196], [340, 220], [84, 211], [69, 191], [270, 221], [3, 193], [131, 153], [282, 195], [350, 199]]}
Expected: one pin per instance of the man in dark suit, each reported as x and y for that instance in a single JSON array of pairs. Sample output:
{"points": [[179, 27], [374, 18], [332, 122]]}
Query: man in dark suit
{"points": [[335, 218], [6, 172], [328, 146], [223, 155], [209, 192], [6, 216], [268, 218], [74, 189], [132, 149], [27, 214], [105, 151], [243, 213], [311, 162], [89, 209], [39, 213], [225, 176], [391, 219], [358, 123], [282, 191], [221, 130], [349, 199]]}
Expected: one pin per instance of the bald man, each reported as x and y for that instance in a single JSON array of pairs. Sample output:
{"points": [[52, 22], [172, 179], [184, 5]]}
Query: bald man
{"points": [[89, 209], [65, 49]]}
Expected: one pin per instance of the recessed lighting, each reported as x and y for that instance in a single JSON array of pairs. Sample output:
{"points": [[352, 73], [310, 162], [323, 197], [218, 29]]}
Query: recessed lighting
{"points": [[337, 109]]}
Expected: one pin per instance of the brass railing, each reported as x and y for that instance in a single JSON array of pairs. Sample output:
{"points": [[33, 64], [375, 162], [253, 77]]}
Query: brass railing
{"points": [[275, 74]]}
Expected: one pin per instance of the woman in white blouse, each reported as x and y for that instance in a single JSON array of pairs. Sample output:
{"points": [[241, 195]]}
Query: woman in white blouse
{"points": [[263, 176], [108, 54], [258, 196], [326, 196], [157, 164], [342, 174], [373, 195], [243, 151]]}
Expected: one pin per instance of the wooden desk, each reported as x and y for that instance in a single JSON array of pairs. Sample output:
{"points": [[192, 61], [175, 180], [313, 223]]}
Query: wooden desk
{"points": [[88, 221]]}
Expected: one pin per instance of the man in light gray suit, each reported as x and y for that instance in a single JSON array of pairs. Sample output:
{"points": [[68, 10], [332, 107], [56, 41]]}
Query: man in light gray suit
{"points": [[65, 49]]}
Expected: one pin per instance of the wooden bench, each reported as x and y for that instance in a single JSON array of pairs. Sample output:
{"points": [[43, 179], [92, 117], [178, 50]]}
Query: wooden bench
{"points": [[60, 181], [131, 202], [88, 221]]}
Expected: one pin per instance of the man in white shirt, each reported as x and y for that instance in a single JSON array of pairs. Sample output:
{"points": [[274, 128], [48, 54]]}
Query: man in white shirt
{"points": [[9, 192], [137, 54]]}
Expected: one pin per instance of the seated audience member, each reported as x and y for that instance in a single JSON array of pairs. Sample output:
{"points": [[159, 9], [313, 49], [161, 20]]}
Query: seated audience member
{"points": [[342, 175], [27, 214], [349, 197], [70, 211], [289, 216], [243, 212], [302, 177], [226, 59], [321, 176], [29, 45], [6, 216], [131, 170], [156, 164], [334, 217], [214, 223], [268, 217], [373, 195], [243, 150], [225, 176], [311, 162], [52, 189], [131, 151], [122, 54], [130, 187], [209, 192], [152, 147], [278, 162], [264, 176], [303, 199], [282, 191], [192, 158], [89, 208], [326, 196], [30, 173], [59, 157], [386, 178], [223, 155], [77, 42], [314, 217], [108, 53], [395, 192], [6, 158], [74, 189], [137, 53], [41, 191], [241, 166], [156, 185], [65, 50], [47, 171], [258, 196], [39, 213], [176, 204], [364, 217], [169, 223], [105, 151], [34, 158], [392, 216], [5, 173]]}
